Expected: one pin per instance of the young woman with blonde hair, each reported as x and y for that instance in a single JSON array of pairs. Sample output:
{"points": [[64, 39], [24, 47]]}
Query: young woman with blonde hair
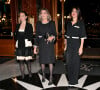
{"points": [[45, 36]]}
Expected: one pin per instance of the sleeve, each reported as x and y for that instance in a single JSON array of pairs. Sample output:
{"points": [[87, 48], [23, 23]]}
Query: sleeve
{"points": [[36, 39], [15, 32], [30, 33], [65, 35], [53, 33], [83, 31]]}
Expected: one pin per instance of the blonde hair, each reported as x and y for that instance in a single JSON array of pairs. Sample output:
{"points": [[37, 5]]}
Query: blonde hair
{"points": [[48, 17]]}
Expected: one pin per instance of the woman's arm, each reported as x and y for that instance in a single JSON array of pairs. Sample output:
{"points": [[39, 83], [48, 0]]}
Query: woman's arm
{"points": [[65, 40], [53, 32], [65, 44], [15, 32], [82, 36], [36, 41], [81, 47], [29, 33], [82, 43]]}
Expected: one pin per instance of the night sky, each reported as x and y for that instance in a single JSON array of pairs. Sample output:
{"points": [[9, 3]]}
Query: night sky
{"points": [[90, 9]]}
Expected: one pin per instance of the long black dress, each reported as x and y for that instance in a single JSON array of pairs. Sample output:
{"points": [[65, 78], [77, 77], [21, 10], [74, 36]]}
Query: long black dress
{"points": [[46, 50]]}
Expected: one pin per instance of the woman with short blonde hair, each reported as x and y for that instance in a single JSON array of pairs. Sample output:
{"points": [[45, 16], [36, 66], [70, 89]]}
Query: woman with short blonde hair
{"points": [[45, 36], [48, 14]]}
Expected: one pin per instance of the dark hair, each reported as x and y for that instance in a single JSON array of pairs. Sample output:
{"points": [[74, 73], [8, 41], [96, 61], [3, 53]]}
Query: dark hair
{"points": [[78, 13], [25, 14]]}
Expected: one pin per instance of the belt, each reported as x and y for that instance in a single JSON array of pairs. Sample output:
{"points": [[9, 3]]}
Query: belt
{"points": [[40, 36], [44, 36], [72, 37]]}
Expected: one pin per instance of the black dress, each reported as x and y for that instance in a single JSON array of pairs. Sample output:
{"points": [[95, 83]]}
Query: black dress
{"points": [[74, 34], [46, 50], [22, 50]]}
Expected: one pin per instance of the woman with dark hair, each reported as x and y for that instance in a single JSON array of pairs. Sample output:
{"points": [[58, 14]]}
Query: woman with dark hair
{"points": [[45, 36], [23, 36], [74, 41]]}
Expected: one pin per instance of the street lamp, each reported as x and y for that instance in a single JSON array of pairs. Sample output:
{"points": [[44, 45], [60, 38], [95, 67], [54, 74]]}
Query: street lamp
{"points": [[8, 2], [58, 15], [61, 0]]}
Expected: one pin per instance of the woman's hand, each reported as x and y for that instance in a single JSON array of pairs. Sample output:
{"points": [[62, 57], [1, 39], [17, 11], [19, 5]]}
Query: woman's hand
{"points": [[65, 48], [81, 47], [35, 50], [50, 38], [80, 51]]}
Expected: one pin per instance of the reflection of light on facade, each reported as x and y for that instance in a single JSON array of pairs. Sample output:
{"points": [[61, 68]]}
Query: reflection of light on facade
{"points": [[58, 15], [3, 19], [7, 2], [15, 79], [65, 16], [61, 0], [68, 17], [4, 15]]}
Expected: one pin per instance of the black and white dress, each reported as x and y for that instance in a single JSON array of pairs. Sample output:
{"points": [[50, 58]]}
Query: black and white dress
{"points": [[24, 42], [46, 50]]}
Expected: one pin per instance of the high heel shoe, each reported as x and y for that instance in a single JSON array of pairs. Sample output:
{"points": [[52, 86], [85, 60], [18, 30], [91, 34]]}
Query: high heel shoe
{"points": [[50, 81], [30, 75], [43, 78], [23, 76]]}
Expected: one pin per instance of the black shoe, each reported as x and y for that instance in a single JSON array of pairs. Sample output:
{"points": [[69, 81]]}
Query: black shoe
{"points": [[30, 75], [23, 76], [50, 83], [43, 79]]}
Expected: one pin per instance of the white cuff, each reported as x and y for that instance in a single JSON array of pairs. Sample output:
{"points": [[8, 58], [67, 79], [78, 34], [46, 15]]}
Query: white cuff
{"points": [[84, 38], [16, 44], [34, 45]]}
